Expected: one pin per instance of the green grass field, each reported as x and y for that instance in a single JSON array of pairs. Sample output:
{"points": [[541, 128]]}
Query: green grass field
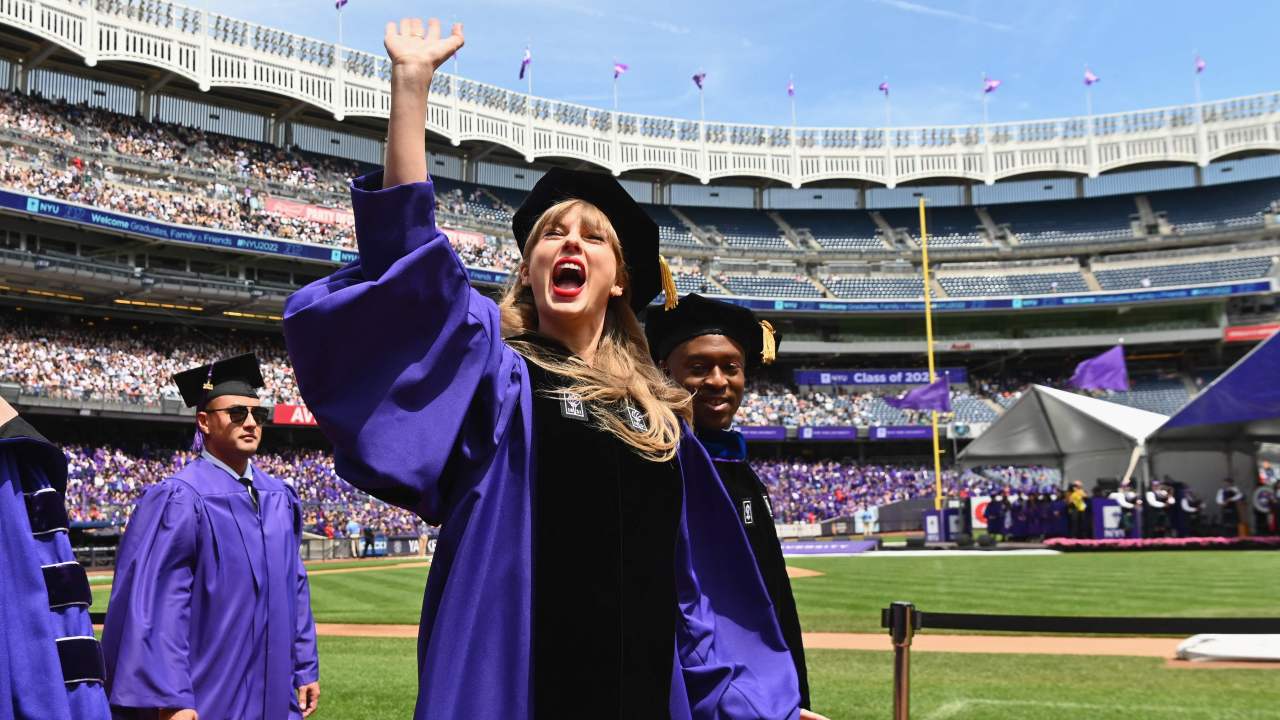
{"points": [[376, 678], [849, 596], [365, 678]]}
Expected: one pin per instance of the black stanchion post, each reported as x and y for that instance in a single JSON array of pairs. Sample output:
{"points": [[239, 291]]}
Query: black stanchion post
{"points": [[902, 627]]}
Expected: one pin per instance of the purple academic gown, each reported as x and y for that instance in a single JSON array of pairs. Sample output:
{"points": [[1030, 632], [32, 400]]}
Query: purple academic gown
{"points": [[402, 363], [46, 638], [209, 606]]}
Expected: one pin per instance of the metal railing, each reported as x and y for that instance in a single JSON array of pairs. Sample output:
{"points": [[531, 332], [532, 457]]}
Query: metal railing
{"points": [[903, 621]]}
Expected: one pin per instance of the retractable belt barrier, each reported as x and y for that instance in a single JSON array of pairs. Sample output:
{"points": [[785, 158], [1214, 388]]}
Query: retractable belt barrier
{"points": [[903, 620]]}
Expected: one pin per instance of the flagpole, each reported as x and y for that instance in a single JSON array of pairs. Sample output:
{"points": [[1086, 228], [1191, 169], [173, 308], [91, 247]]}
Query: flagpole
{"points": [[339, 27], [615, 91], [928, 338], [528, 70]]}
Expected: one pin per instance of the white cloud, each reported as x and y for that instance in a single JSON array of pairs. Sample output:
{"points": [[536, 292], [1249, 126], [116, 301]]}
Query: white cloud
{"points": [[918, 9]]}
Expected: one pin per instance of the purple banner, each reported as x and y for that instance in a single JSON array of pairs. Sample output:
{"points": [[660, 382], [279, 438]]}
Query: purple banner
{"points": [[878, 376], [827, 433], [828, 547], [901, 432], [763, 432]]}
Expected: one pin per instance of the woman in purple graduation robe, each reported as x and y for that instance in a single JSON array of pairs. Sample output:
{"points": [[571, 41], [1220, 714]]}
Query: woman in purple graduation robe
{"points": [[589, 562]]}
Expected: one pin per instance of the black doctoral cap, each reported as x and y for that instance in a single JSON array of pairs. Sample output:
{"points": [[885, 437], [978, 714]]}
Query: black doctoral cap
{"points": [[239, 376], [637, 232], [697, 315]]}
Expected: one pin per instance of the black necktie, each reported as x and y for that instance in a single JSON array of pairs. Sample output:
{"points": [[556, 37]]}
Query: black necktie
{"points": [[253, 491]]}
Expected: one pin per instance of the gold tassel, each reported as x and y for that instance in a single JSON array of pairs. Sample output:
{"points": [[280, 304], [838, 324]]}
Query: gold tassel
{"points": [[769, 351], [668, 285]]}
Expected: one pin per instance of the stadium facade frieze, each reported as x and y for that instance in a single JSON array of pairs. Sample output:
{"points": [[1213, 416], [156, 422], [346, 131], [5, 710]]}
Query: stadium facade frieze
{"points": [[214, 50]]}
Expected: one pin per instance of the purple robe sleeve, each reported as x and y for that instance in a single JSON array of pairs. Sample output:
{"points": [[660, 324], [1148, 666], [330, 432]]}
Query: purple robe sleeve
{"points": [[145, 637], [32, 676], [400, 359], [735, 662]]}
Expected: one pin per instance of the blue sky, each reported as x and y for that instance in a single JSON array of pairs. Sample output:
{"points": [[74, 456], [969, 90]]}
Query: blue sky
{"points": [[933, 52]]}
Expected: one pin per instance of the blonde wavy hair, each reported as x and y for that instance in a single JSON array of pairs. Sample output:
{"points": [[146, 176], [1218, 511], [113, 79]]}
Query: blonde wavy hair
{"points": [[621, 371]]}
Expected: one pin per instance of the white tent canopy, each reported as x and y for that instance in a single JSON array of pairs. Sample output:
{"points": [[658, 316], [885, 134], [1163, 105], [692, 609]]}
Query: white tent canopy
{"points": [[1087, 438]]}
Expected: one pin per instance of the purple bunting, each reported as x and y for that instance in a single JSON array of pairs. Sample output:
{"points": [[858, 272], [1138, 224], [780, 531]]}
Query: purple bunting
{"points": [[339, 4], [619, 68], [884, 88], [934, 396], [1200, 64], [1104, 372], [698, 78], [524, 62], [1089, 77], [791, 88], [989, 85]]}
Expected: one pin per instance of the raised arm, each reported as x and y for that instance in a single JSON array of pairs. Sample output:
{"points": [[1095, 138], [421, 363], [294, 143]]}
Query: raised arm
{"points": [[398, 357], [415, 55]]}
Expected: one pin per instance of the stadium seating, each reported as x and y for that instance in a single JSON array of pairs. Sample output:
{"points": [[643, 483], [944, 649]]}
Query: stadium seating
{"points": [[949, 227], [769, 286], [1216, 207], [1193, 273], [1013, 284], [672, 233], [744, 229], [1104, 219], [874, 287], [837, 229]]}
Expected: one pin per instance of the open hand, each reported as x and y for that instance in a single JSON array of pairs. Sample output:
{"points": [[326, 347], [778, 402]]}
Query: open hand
{"points": [[187, 714], [410, 46], [810, 715]]}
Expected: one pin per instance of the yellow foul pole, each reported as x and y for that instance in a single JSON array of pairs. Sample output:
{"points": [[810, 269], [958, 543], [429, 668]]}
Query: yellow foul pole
{"points": [[928, 336]]}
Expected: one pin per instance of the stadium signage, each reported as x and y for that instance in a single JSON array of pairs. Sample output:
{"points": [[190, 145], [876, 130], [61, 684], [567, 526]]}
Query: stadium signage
{"points": [[827, 433], [877, 376], [314, 213], [117, 222], [1250, 333], [292, 415], [763, 432], [900, 432]]}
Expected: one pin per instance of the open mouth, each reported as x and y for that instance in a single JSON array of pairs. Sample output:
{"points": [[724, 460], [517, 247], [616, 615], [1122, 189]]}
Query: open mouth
{"points": [[568, 276]]}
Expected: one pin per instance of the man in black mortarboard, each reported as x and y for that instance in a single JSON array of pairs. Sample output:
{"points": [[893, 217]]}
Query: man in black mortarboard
{"points": [[210, 612], [708, 346]]}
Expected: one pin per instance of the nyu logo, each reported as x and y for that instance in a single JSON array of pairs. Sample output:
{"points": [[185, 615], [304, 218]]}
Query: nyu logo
{"points": [[35, 205]]}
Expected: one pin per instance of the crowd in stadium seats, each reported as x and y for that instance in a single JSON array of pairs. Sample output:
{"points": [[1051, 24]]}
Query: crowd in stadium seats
{"points": [[812, 491], [246, 174], [120, 363], [104, 483]]}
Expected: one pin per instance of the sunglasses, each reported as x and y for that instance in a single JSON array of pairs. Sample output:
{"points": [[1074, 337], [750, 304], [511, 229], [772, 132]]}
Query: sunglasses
{"points": [[239, 413]]}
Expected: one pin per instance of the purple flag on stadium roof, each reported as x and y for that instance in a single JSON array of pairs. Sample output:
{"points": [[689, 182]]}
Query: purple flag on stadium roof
{"points": [[934, 396], [884, 88], [989, 85], [698, 77], [1089, 77], [1199, 64], [619, 68], [791, 88], [339, 4], [524, 62], [1104, 372]]}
